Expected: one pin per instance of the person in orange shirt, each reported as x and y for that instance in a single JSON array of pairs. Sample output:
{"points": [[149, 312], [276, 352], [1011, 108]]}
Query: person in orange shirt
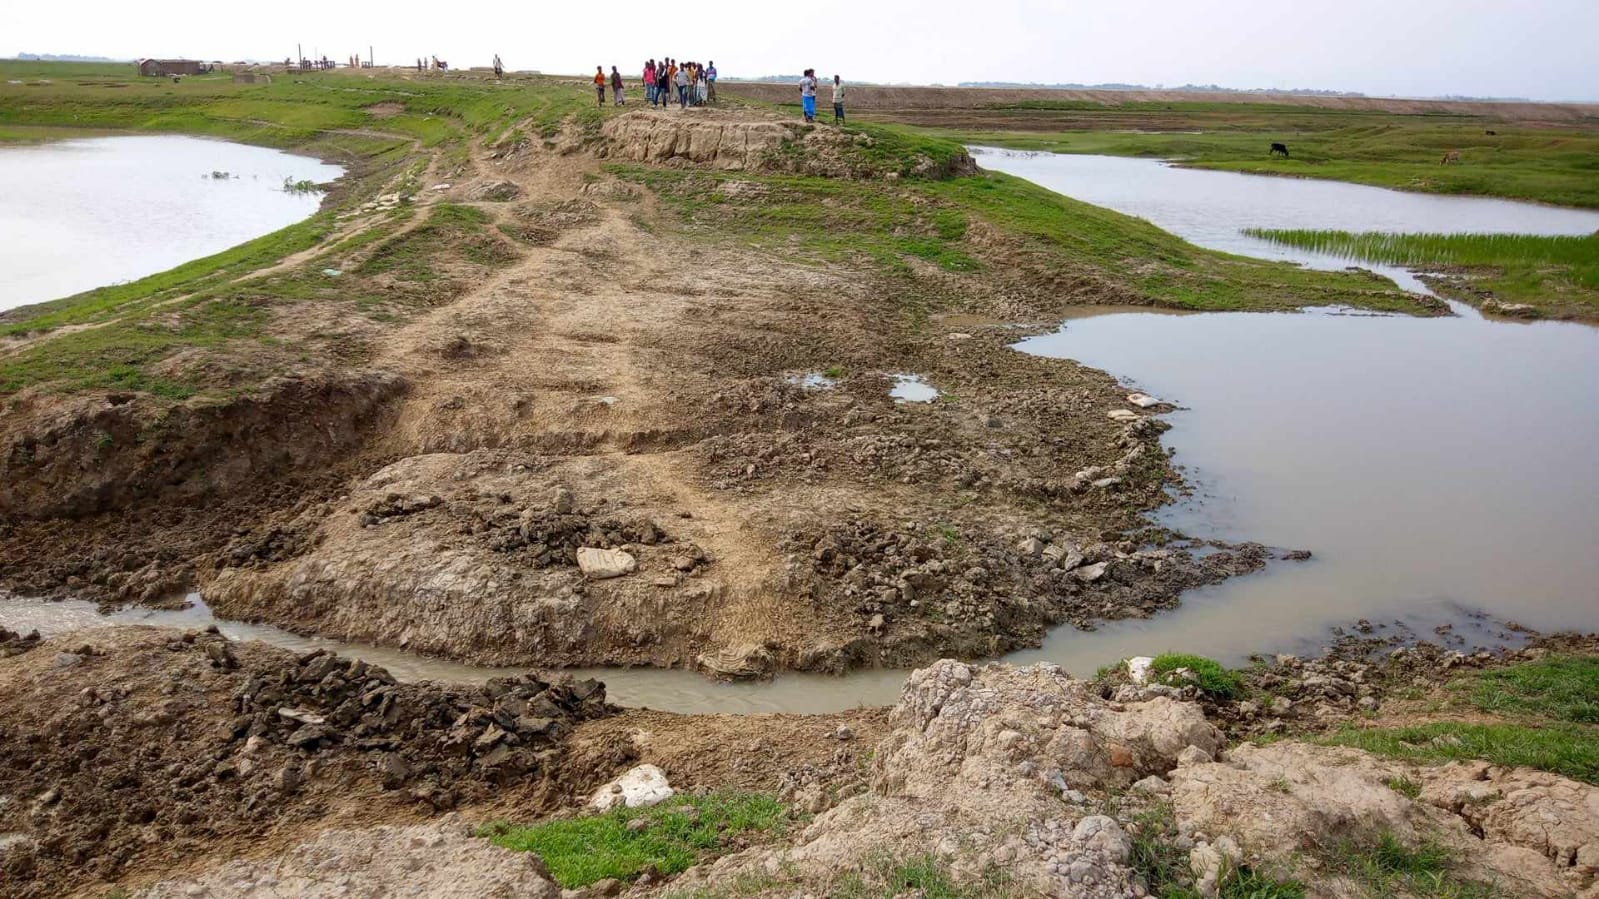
{"points": [[599, 82]]}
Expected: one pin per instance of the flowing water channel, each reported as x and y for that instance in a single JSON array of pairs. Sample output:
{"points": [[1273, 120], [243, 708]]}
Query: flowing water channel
{"points": [[81, 214], [1437, 468]]}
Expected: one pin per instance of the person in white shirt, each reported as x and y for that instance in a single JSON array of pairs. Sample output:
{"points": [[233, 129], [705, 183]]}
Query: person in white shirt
{"points": [[838, 100], [807, 87]]}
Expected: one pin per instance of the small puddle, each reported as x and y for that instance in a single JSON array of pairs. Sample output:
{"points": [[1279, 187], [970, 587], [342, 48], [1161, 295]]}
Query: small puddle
{"points": [[912, 389], [813, 380]]}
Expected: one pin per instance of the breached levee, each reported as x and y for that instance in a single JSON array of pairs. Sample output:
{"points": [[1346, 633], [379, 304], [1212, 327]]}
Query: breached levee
{"points": [[97, 453]]}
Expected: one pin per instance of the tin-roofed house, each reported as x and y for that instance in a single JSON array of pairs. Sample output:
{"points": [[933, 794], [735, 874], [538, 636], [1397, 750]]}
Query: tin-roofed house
{"points": [[159, 68]]}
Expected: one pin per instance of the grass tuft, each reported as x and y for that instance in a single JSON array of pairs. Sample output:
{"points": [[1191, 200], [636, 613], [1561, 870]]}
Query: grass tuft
{"points": [[678, 833], [1207, 674], [1388, 867]]}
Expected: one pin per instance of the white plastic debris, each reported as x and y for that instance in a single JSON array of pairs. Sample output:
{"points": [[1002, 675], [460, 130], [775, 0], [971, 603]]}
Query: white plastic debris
{"points": [[640, 786]]}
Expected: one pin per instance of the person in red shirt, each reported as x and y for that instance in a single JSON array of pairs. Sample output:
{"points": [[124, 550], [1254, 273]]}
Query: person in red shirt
{"points": [[599, 82]]}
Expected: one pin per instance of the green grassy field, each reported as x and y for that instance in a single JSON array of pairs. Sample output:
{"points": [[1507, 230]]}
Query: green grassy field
{"points": [[340, 114], [1549, 721], [1558, 276], [1559, 166]]}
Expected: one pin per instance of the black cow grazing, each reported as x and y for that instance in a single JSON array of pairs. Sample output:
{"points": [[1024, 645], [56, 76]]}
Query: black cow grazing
{"points": [[1490, 132], [1279, 148]]}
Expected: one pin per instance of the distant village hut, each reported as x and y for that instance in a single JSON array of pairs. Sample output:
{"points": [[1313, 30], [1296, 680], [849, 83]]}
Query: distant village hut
{"points": [[251, 78], [160, 68]]}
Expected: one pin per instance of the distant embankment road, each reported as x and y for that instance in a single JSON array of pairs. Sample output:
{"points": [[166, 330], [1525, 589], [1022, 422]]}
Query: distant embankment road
{"points": [[913, 103]]}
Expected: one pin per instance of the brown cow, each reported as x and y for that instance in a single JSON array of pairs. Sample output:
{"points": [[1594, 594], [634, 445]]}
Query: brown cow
{"points": [[1453, 156]]}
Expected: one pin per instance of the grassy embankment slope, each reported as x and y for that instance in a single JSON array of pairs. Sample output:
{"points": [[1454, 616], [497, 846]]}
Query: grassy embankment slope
{"points": [[987, 224], [392, 129]]}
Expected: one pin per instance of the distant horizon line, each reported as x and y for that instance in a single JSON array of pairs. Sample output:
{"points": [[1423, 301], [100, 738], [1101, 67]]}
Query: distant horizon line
{"points": [[1108, 86]]}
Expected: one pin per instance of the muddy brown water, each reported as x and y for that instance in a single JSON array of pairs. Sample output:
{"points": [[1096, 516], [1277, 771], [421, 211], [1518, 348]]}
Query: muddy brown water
{"points": [[81, 214], [1443, 472], [676, 691]]}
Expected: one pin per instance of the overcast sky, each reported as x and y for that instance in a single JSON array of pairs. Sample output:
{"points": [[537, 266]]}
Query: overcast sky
{"points": [[1544, 49]]}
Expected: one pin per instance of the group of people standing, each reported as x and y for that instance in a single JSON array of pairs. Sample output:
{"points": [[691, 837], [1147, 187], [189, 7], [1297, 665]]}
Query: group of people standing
{"points": [[665, 81], [807, 86], [690, 83]]}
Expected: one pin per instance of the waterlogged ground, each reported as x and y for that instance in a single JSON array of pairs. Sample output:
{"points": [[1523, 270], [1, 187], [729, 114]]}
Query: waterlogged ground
{"points": [[1434, 466], [80, 214]]}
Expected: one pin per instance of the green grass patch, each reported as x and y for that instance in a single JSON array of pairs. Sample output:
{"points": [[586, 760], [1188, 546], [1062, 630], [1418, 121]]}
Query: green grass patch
{"points": [[1207, 674], [680, 832], [1567, 749], [1562, 688], [1388, 867], [1404, 786], [1556, 274], [450, 228]]}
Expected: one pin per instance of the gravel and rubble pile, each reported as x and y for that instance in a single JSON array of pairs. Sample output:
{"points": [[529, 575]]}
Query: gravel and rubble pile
{"points": [[990, 590], [122, 746], [14, 643]]}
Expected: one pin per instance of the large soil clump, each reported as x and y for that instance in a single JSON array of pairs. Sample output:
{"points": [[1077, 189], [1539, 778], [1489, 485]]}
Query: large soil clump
{"points": [[130, 749]]}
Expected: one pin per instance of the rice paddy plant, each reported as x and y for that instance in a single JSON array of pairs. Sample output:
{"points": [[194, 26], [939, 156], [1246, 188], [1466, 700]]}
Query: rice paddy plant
{"points": [[1579, 254]]}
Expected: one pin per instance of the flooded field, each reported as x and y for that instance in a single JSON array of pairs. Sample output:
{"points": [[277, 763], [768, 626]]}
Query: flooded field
{"points": [[81, 214]]}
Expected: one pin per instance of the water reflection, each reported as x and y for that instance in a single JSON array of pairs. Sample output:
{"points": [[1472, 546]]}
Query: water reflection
{"points": [[81, 214]]}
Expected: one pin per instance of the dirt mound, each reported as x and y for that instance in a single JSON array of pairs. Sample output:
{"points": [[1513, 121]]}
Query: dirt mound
{"points": [[1027, 778], [736, 141], [987, 767], [921, 584], [439, 553], [128, 749], [657, 138]]}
